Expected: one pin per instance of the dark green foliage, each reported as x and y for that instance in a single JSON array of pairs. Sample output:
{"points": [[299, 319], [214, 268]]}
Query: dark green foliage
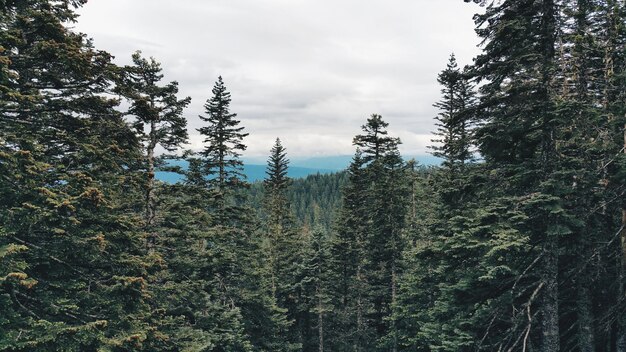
{"points": [[281, 244], [157, 121], [522, 251], [277, 164], [223, 140], [314, 200], [454, 120], [152, 106], [506, 262], [312, 278], [78, 272], [370, 231]]}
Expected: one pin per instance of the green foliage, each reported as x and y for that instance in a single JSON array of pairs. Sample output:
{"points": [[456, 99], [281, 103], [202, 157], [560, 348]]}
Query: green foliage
{"points": [[523, 250], [313, 200], [223, 140]]}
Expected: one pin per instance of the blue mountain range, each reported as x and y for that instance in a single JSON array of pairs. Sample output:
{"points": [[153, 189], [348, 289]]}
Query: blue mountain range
{"points": [[254, 169]]}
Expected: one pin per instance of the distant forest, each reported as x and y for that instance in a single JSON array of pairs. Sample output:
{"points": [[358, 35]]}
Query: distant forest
{"points": [[516, 242]]}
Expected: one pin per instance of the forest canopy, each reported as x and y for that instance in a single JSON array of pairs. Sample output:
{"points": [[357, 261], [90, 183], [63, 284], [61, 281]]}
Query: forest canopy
{"points": [[516, 242]]}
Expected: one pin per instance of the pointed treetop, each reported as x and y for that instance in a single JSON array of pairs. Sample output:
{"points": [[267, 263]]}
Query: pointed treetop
{"points": [[375, 144], [277, 167], [223, 140]]}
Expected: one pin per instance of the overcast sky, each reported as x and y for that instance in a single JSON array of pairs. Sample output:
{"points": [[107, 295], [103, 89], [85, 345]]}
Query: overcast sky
{"points": [[307, 71]]}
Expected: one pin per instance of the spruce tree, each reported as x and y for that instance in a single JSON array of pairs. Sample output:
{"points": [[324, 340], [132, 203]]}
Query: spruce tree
{"points": [[223, 140], [454, 119], [313, 280], [283, 247], [157, 118], [78, 277], [352, 307], [275, 186], [385, 217], [219, 159]]}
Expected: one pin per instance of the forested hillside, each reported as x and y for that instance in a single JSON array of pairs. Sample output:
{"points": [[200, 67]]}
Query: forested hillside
{"points": [[516, 242], [313, 200]]}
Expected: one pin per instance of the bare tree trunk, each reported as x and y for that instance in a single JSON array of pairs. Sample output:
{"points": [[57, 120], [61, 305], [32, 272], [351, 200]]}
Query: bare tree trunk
{"points": [[394, 330], [150, 206], [586, 338], [621, 331], [550, 303], [359, 310], [320, 319]]}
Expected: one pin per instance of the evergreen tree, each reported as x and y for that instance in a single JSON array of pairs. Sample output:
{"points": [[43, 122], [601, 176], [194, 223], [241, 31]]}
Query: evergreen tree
{"points": [[78, 275], [157, 117], [454, 118], [219, 159], [519, 138], [281, 244], [313, 279], [384, 214], [275, 186], [349, 285], [223, 140], [239, 268]]}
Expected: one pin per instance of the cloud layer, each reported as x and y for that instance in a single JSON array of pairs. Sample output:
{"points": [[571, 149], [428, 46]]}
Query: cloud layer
{"points": [[307, 71]]}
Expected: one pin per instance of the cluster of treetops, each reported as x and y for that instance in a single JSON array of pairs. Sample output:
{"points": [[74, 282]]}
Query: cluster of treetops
{"points": [[517, 242]]}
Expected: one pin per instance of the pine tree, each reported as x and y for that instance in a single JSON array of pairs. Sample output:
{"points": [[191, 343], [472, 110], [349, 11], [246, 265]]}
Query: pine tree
{"points": [[454, 119], [282, 245], [386, 196], [223, 139], [157, 117], [219, 159], [275, 186], [375, 145], [519, 141], [78, 271]]}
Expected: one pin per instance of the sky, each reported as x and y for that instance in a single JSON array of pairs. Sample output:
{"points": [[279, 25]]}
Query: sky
{"points": [[308, 71]]}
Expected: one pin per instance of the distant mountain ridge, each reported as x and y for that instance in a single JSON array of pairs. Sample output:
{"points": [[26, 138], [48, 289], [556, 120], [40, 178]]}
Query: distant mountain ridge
{"points": [[299, 167], [253, 172], [341, 162]]}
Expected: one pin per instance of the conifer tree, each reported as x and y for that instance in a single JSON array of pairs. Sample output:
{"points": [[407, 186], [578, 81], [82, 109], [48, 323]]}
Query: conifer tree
{"points": [[80, 280], [223, 140], [352, 307], [219, 159], [276, 185], [157, 117], [386, 210], [454, 118], [313, 280], [519, 141]]}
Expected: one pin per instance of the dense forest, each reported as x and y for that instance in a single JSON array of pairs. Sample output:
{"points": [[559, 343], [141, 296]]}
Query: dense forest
{"points": [[516, 242]]}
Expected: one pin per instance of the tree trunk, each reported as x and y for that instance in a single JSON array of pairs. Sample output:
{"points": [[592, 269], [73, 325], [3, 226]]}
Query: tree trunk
{"points": [[320, 319], [359, 310], [150, 185], [550, 301], [621, 331], [150, 206], [394, 331], [586, 338], [550, 338]]}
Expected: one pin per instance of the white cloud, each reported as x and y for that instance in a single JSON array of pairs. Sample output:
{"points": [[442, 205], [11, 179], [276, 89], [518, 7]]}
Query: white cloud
{"points": [[308, 71]]}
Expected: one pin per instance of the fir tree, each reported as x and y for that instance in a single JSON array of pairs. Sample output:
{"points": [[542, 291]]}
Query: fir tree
{"points": [[454, 118], [223, 139], [78, 275], [349, 285], [157, 116], [276, 185]]}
